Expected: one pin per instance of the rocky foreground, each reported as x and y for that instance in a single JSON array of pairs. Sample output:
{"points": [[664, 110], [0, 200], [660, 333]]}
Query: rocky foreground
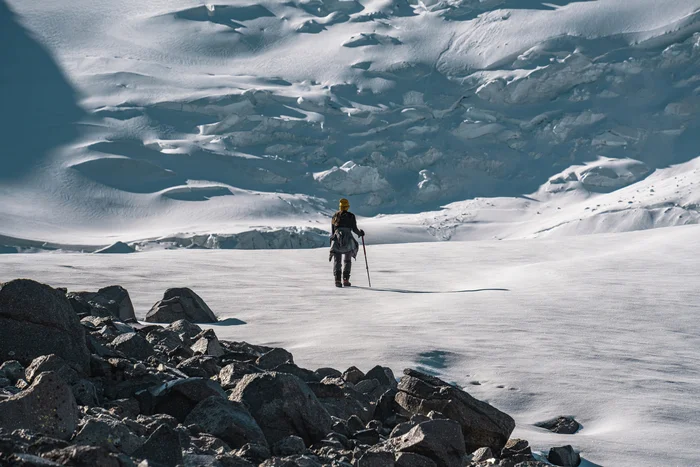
{"points": [[82, 383]]}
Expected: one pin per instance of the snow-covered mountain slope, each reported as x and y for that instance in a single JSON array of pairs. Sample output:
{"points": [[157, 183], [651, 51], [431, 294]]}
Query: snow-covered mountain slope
{"points": [[131, 120], [600, 327]]}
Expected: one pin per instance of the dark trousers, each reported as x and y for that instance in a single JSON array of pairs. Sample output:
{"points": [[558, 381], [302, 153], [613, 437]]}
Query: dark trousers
{"points": [[338, 262]]}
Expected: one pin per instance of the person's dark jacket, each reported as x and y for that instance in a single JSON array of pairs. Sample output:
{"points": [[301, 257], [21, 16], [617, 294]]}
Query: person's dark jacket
{"points": [[345, 219]]}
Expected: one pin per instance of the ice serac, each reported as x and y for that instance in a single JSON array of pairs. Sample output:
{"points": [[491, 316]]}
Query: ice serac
{"points": [[37, 320], [482, 424]]}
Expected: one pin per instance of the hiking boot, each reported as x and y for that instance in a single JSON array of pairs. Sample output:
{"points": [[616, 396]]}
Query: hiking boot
{"points": [[346, 283], [338, 284]]}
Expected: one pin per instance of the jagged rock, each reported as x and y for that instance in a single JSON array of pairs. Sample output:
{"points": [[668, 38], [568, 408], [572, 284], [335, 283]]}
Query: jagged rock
{"points": [[114, 300], [383, 375], [564, 456], [185, 329], [411, 459], [322, 373], [29, 460], [85, 393], [47, 407], [178, 398], [229, 460], [53, 363], [227, 420], [208, 344], [133, 346], [366, 386], [353, 375], [368, 436], [289, 446], [274, 358], [12, 370], [29, 309], [180, 303], [561, 425], [482, 454], [355, 423], [153, 422], [162, 447], [255, 453], [164, 337], [108, 433], [232, 373], [85, 456], [402, 428], [517, 450], [283, 405], [386, 406], [199, 366], [200, 460], [482, 424], [376, 459], [127, 407], [341, 402], [440, 440], [303, 374]]}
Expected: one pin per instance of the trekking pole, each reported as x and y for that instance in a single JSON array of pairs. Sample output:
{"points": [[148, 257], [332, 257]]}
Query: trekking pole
{"points": [[366, 263]]}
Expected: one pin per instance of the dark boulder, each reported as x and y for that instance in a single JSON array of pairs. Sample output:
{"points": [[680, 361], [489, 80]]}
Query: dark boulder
{"points": [[46, 407], [86, 456], [482, 424], [283, 405], [274, 358], [227, 420], [439, 440], [561, 425], [202, 366], [133, 346], [12, 370], [185, 329], [411, 459], [178, 398], [180, 303], [109, 433], [353, 375], [36, 320], [376, 459], [517, 450], [564, 456], [206, 343], [289, 446], [162, 447]]}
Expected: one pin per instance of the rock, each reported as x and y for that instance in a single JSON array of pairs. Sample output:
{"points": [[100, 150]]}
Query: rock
{"points": [[208, 344], [482, 454], [185, 329], [85, 393], [230, 460], [369, 436], [411, 459], [376, 459], [440, 440], [561, 425], [29, 310], [47, 407], [517, 450], [227, 420], [283, 405], [564, 456], [341, 402], [200, 460], [200, 366], [402, 428], [328, 373], [12, 370], [133, 346], [482, 424], [274, 358], [366, 386], [289, 446], [386, 406], [353, 375], [124, 408], [53, 363], [180, 303], [162, 447], [109, 433], [383, 375], [178, 398], [165, 338], [303, 374], [29, 460], [85, 456], [232, 373], [255, 453], [110, 301]]}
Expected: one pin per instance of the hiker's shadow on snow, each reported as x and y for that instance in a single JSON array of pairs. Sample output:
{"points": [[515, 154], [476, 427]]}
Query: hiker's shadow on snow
{"points": [[379, 289]]}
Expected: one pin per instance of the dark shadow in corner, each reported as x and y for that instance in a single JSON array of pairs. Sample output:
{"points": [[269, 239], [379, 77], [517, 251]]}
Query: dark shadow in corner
{"points": [[429, 291], [39, 110]]}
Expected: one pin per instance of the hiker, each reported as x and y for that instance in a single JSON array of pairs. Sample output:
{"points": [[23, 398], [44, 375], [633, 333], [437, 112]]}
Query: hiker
{"points": [[343, 243]]}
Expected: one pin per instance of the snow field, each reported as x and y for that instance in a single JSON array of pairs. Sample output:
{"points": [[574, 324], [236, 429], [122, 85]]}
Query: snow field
{"points": [[599, 327]]}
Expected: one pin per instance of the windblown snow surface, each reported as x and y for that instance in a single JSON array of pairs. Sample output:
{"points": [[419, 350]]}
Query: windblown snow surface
{"points": [[601, 327], [137, 126]]}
